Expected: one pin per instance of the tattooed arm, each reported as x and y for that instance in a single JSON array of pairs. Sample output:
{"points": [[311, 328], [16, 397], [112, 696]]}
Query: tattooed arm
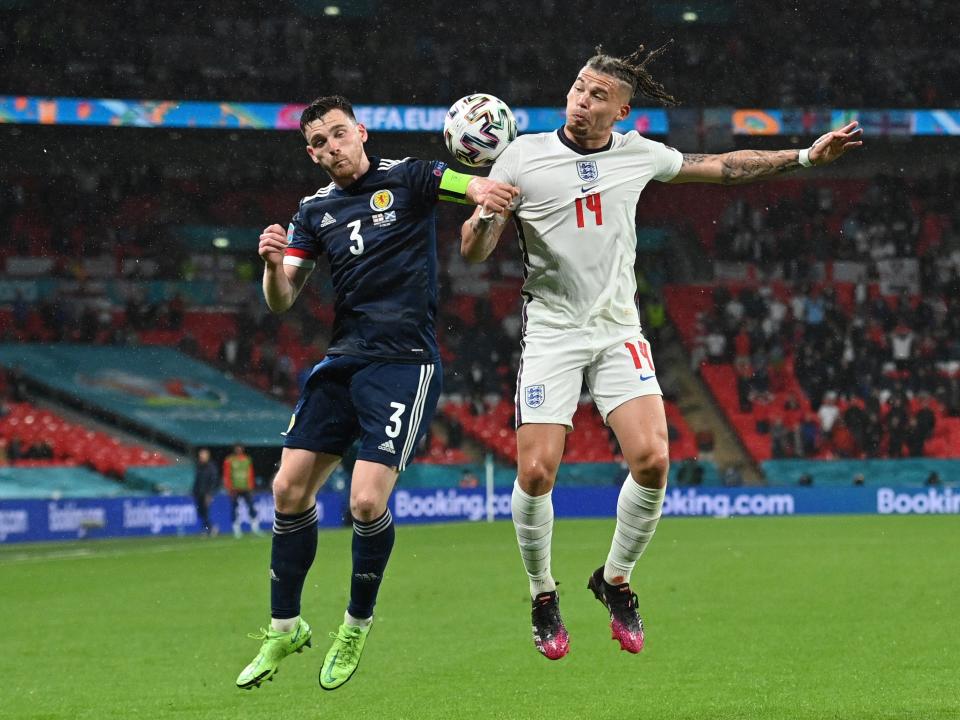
{"points": [[480, 234], [745, 166]]}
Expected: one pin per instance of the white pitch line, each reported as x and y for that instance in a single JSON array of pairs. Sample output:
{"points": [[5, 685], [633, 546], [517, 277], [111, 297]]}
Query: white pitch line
{"points": [[92, 553]]}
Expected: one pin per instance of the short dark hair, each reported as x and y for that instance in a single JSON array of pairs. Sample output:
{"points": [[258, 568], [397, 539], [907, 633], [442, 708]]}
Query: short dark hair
{"points": [[632, 70], [321, 106]]}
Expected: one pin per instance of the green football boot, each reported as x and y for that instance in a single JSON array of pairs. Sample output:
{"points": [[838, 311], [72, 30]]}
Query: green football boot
{"points": [[343, 656], [276, 646]]}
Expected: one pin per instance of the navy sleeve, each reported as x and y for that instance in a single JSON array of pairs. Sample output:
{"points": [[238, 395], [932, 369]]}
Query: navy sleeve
{"points": [[303, 246], [423, 177]]}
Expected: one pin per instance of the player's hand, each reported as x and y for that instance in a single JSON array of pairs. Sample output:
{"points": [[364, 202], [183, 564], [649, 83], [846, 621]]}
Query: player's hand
{"points": [[492, 195], [832, 145], [273, 243]]}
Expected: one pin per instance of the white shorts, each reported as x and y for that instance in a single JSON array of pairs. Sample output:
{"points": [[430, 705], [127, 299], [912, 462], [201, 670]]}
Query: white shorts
{"points": [[617, 366]]}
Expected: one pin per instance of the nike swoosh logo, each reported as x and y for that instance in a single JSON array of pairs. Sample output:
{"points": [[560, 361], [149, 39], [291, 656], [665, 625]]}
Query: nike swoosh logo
{"points": [[333, 661], [646, 377], [296, 634], [585, 189]]}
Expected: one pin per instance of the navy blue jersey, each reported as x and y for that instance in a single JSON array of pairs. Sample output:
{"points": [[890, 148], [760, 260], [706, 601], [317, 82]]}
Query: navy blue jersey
{"points": [[380, 238]]}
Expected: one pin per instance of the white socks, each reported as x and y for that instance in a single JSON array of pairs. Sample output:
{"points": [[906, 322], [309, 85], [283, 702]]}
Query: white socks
{"points": [[349, 619], [638, 511], [533, 521], [284, 624]]}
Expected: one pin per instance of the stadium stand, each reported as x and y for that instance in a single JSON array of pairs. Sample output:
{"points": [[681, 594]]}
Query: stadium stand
{"points": [[246, 52]]}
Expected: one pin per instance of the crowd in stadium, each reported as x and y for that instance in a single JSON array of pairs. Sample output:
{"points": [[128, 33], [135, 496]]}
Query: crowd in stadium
{"points": [[877, 370], [883, 54], [854, 350]]}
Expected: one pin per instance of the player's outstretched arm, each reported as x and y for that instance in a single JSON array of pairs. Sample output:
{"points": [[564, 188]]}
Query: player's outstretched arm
{"points": [[480, 234], [746, 166], [281, 283]]}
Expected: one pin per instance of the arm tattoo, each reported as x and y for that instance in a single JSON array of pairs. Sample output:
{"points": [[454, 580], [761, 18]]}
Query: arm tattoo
{"points": [[693, 159], [744, 166]]}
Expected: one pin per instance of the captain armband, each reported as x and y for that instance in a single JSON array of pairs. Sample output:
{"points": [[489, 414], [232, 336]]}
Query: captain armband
{"points": [[453, 186]]}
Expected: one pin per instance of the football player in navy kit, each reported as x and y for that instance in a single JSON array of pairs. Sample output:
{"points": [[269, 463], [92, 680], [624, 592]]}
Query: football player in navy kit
{"points": [[381, 378]]}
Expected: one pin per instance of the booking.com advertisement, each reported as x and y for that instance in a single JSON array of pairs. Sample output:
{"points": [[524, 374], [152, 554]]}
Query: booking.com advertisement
{"points": [[36, 520]]}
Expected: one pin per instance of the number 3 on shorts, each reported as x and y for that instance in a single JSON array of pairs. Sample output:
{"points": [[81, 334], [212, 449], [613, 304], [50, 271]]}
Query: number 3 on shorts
{"points": [[393, 430]]}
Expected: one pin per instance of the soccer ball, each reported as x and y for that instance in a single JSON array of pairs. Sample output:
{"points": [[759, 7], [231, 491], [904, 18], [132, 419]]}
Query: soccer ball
{"points": [[478, 128]]}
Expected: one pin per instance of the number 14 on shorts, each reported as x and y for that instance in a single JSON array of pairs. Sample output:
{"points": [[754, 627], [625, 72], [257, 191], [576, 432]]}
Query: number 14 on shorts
{"points": [[642, 357]]}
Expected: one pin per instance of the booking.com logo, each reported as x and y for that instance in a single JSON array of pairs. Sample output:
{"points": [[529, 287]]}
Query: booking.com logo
{"points": [[930, 502], [692, 503]]}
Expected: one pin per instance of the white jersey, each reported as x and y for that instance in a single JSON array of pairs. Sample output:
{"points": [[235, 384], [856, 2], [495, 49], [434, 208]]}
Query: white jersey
{"points": [[576, 218]]}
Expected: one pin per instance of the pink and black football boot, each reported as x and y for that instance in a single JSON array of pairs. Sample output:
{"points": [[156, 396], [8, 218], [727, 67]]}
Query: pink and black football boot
{"points": [[549, 633], [625, 624]]}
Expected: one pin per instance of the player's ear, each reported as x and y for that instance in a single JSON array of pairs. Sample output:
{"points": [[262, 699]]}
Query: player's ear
{"points": [[312, 153], [624, 111], [362, 129]]}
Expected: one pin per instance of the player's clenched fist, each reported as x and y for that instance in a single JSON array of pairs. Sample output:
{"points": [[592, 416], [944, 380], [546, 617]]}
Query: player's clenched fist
{"points": [[273, 242], [491, 195]]}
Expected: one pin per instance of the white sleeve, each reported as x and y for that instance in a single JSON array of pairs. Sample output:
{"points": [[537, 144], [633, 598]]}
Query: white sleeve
{"points": [[507, 166], [666, 161]]}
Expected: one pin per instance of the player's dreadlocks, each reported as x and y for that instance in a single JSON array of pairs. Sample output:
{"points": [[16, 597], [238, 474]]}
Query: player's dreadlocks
{"points": [[632, 69]]}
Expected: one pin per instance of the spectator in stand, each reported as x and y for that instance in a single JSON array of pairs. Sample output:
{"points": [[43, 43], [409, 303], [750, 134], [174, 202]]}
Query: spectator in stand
{"points": [[206, 481], [780, 442], [914, 438], [828, 413], [4, 455], [238, 480], [843, 442], [926, 417], [716, 343], [809, 436], [901, 347]]}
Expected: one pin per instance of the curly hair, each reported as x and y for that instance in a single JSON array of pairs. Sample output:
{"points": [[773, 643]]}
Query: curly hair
{"points": [[632, 69]]}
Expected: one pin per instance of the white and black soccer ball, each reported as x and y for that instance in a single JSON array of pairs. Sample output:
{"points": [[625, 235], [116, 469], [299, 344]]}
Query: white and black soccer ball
{"points": [[478, 128]]}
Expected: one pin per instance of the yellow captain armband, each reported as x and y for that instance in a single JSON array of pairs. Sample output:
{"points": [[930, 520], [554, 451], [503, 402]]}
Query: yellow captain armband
{"points": [[453, 186]]}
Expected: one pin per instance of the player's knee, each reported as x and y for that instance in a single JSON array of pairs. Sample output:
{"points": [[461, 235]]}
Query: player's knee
{"points": [[650, 465], [536, 476], [288, 496], [365, 507]]}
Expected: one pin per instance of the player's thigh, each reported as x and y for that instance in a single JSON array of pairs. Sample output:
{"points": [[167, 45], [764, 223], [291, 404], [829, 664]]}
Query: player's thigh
{"points": [[370, 489], [622, 370], [395, 403], [301, 475], [550, 377], [640, 425], [539, 451], [325, 420]]}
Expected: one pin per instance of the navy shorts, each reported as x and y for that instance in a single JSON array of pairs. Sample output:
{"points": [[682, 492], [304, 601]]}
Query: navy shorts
{"points": [[387, 405]]}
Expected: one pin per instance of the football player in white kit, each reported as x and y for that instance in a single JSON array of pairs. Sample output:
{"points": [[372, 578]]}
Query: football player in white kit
{"points": [[575, 215]]}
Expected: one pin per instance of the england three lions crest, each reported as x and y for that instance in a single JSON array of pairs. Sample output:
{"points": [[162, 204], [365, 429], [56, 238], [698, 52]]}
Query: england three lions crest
{"points": [[534, 395], [587, 170]]}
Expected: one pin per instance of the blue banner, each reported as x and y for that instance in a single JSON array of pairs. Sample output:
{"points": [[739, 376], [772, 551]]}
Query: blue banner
{"points": [[271, 116], [37, 520], [424, 505]]}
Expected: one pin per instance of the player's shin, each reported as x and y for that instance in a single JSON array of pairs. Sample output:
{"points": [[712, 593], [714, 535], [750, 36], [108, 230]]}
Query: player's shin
{"points": [[372, 544], [533, 521], [292, 554], [638, 512]]}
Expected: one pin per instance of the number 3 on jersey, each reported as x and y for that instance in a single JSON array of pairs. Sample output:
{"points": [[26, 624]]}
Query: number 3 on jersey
{"points": [[592, 202], [355, 238]]}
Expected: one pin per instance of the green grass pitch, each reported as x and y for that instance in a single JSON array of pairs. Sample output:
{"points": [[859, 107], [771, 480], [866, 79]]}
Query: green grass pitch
{"points": [[788, 618]]}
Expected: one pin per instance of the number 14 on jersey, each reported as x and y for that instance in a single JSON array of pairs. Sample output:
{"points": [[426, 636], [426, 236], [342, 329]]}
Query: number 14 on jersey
{"points": [[592, 204]]}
